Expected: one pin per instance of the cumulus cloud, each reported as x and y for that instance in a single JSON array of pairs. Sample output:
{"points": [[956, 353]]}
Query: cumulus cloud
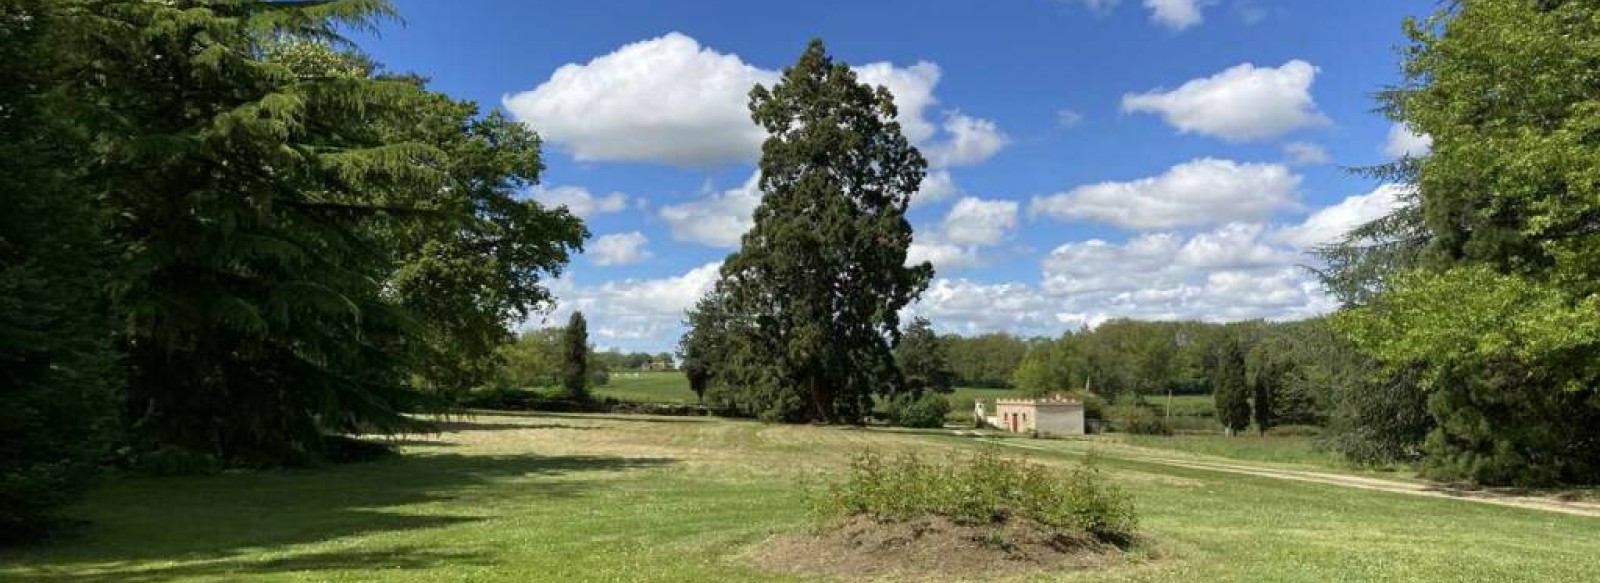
{"points": [[645, 313], [956, 243], [936, 186], [1200, 192], [1175, 14], [671, 100], [718, 219], [1331, 224], [974, 221], [619, 249], [1244, 103], [1231, 273], [665, 99], [1172, 14], [970, 307], [1306, 154], [971, 141], [579, 201], [1403, 143], [944, 256]]}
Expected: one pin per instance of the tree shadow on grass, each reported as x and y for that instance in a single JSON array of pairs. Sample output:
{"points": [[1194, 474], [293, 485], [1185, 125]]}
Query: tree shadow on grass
{"points": [[325, 563], [149, 529], [639, 418]]}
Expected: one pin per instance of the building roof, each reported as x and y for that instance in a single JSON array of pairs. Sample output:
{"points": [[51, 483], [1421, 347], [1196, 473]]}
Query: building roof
{"points": [[1051, 401]]}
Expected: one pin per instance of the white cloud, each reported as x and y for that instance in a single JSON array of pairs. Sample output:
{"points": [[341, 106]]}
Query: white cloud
{"points": [[1199, 192], [1306, 154], [1231, 273], [579, 201], [1329, 225], [1403, 142], [936, 186], [1172, 14], [671, 100], [945, 257], [665, 99], [971, 141], [971, 225], [1244, 103], [974, 221], [912, 88], [1175, 14], [970, 307], [646, 313], [719, 219], [619, 249]]}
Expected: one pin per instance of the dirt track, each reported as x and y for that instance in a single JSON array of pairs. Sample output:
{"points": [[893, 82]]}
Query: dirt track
{"points": [[1428, 489]]}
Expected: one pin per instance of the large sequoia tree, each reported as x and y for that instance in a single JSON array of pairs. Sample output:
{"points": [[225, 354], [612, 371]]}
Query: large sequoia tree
{"points": [[808, 308]]}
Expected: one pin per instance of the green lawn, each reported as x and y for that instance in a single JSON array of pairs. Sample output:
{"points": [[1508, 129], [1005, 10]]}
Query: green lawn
{"points": [[1271, 448], [593, 498]]}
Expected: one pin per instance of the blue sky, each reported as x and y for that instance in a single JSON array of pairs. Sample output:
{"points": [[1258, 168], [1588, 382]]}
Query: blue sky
{"points": [[1092, 158]]}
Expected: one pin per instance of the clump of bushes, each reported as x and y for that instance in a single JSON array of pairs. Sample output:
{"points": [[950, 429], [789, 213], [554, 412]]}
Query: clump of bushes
{"points": [[927, 410], [983, 489], [1143, 421]]}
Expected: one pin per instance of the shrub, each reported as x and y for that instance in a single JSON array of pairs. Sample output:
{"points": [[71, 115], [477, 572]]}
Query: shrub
{"points": [[1143, 421], [925, 411], [984, 489]]}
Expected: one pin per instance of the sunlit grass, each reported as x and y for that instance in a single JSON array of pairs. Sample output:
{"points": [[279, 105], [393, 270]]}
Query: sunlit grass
{"points": [[542, 497]]}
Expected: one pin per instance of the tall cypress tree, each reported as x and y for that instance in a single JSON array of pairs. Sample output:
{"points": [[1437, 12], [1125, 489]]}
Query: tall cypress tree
{"points": [[816, 289], [1232, 394], [575, 358]]}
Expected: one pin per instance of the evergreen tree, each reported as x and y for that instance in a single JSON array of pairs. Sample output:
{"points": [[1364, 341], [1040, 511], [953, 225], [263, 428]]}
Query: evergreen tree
{"points": [[815, 291], [575, 358], [274, 204], [704, 346], [923, 359], [1232, 394], [58, 381], [1265, 372]]}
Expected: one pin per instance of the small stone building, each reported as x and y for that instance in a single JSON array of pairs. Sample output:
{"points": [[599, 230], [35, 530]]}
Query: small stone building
{"points": [[1051, 416]]}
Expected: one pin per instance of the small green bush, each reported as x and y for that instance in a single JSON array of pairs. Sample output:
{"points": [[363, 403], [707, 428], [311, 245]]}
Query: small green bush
{"points": [[1142, 421], [984, 489], [925, 411]]}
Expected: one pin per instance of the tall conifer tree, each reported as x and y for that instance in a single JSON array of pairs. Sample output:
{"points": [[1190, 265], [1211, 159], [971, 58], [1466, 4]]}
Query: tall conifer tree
{"points": [[815, 291]]}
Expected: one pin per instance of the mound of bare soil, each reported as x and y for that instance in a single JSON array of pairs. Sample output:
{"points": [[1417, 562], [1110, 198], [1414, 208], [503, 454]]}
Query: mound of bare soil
{"points": [[932, 549]]}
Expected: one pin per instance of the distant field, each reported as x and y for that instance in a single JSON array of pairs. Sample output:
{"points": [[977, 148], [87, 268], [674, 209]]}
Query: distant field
{"points": [[673, 387], [648, 387]]}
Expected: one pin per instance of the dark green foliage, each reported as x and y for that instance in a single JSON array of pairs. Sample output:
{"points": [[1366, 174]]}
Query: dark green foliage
{"points": [[923, 359], [988, 361], [575, 358], [58, 381], [1142, 421], [1265, 373], [923, 410], [1492, 306], [304, 246], [1231, 389], [809, 305], [984, 488]]}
